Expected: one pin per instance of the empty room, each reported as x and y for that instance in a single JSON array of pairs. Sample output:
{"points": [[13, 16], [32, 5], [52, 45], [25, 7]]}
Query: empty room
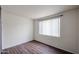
{"points": [[39, 29]]}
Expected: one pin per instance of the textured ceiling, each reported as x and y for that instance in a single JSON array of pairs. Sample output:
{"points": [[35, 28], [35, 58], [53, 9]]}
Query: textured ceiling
{"points": [[37, 11]]}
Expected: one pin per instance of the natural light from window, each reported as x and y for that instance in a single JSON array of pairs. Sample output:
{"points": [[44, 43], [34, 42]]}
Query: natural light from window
{"points": [[50, 27]]}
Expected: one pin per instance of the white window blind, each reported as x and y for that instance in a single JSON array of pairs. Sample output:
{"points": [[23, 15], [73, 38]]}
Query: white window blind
{"points": [[50, 27]]}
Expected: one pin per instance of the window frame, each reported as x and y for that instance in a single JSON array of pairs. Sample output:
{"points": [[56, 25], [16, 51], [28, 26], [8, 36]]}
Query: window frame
{"points": [[58, 34]]}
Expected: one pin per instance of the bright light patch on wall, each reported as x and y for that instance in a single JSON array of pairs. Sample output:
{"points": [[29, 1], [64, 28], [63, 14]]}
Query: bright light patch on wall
{"points": [[50, 27]]}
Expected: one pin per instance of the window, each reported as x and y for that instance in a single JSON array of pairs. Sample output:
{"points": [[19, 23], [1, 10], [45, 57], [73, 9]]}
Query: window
{"points": [[50, 27]]}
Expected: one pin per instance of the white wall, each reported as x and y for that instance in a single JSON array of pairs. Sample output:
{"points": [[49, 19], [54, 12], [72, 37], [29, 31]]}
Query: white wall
{"points": [[0, 32], [68, 39], [78, 30], [15, 29]]}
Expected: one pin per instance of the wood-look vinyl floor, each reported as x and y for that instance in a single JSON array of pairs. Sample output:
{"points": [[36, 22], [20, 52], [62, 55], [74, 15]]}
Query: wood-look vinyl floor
{"points": [[33, 47]]}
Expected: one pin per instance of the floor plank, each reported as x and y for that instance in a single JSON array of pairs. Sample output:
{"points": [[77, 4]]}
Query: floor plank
{"points": [[33, 47]]}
